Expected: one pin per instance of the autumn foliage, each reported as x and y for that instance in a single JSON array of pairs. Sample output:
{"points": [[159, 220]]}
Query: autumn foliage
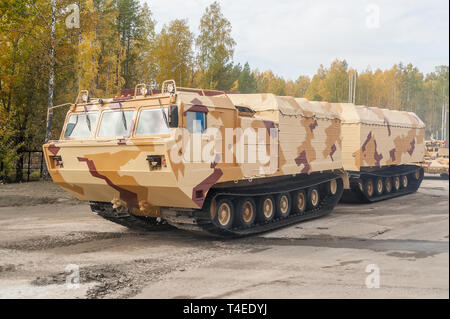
{"points": [[116, 46]]}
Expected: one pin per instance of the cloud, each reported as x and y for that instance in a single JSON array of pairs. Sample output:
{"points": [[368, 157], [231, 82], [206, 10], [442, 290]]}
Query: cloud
{"points": [[293, 37]]}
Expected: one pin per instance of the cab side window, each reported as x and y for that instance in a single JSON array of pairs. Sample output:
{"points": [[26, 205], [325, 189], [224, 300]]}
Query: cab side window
{"points": [[195, 122]]}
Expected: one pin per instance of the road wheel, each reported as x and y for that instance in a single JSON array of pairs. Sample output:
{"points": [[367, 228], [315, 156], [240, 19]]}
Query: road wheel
{"points": [[417, 174], [245, 212], [223, 218], [368, 187], [396, 183], [212, 209], [313, 197], [299, 201], [379, 186], [332, 187], [388, 184], [283, 203], [361, 187], [266, 209], [404, 181]]}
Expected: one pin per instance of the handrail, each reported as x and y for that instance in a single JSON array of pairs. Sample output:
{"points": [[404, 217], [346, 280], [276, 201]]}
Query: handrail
{"points": [[55, 107], [142, 85], [165, 84], [201, 90], [78, 96]]}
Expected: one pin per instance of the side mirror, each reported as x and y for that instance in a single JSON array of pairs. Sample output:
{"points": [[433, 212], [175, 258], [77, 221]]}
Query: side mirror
{"points": [[173, 116]]}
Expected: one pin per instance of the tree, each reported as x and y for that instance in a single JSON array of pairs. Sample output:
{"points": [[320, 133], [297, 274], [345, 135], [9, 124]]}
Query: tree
{"points": [[128, 27], [302, 85], [246, 80], [173, 52], [215, 48], [109, 79], [337, 81], [32, 37], [318, 89]]}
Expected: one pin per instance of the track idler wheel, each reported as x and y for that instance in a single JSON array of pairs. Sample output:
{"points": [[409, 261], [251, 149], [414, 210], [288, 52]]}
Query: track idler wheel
{"points": [[223, 218], [283, 205], [332, 187], [313, 197], [245, 212]]}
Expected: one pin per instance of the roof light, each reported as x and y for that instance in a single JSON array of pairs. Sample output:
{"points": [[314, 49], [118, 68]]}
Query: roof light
{"points": [[171, 88], [84, 97]]}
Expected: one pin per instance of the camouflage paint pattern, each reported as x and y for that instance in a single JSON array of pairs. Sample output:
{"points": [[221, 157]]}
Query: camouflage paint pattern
{"points": [[306, 137], [374, 137]]}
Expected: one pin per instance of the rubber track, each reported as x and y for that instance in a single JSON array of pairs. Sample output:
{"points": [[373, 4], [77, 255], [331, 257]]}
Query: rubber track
{"points": [[127, 219], [355, 195], [204, 225]]}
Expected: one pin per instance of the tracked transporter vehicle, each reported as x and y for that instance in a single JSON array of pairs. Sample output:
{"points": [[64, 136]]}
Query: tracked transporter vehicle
{"points": [[382, 151], [436, 158], [222, 164]]}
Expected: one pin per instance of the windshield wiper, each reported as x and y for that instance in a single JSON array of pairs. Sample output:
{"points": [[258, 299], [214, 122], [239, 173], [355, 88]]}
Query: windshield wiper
{"points": [[88, 120], [164, 113], [124, 120]]}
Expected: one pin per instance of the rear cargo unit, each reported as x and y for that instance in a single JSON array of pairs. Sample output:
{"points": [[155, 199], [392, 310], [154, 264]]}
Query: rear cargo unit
{"points": [[381, 151]]}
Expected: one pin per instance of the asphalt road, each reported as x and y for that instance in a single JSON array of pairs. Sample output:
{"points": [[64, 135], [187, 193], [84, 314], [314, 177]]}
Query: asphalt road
{"points": [[392, 249]]}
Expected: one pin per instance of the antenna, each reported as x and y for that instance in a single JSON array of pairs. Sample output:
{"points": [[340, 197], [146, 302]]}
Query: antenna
{"points": [[350, 86]]}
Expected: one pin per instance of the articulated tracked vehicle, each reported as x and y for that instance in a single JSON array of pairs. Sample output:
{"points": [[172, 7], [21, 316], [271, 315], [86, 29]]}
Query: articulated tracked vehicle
{"points": [[224, 164]]}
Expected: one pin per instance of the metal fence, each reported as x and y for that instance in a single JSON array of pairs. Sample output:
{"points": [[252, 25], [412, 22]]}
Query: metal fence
{"points": [[32, 161]]}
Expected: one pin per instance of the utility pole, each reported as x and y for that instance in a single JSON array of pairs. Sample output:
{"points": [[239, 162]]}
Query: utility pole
{"points": [[350, 88], [443, 117]]}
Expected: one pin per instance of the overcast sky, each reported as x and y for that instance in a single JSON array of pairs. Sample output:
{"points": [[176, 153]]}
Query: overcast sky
{"points": [[293, 37]]}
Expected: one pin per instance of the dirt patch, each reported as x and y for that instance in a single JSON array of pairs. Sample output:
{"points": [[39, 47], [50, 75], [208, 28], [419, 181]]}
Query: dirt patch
{"points": [[73, 238], [344, 263], [18, 200], [34, 193], [410, 255], [127, 279], [7, 268]]}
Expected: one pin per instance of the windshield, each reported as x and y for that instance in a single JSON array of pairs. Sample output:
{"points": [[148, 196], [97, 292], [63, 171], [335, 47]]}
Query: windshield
{"points": [[152, 121], [116, 123], [81, 125]]}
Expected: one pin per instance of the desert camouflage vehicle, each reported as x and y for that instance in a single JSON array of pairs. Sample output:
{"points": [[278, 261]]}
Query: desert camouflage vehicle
{"points": [[224, 164], [436, 158], [382, 152]]}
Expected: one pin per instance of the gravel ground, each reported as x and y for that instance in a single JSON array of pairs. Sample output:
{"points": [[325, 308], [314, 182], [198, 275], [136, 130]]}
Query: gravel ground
{"points": [[46, 237]]}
